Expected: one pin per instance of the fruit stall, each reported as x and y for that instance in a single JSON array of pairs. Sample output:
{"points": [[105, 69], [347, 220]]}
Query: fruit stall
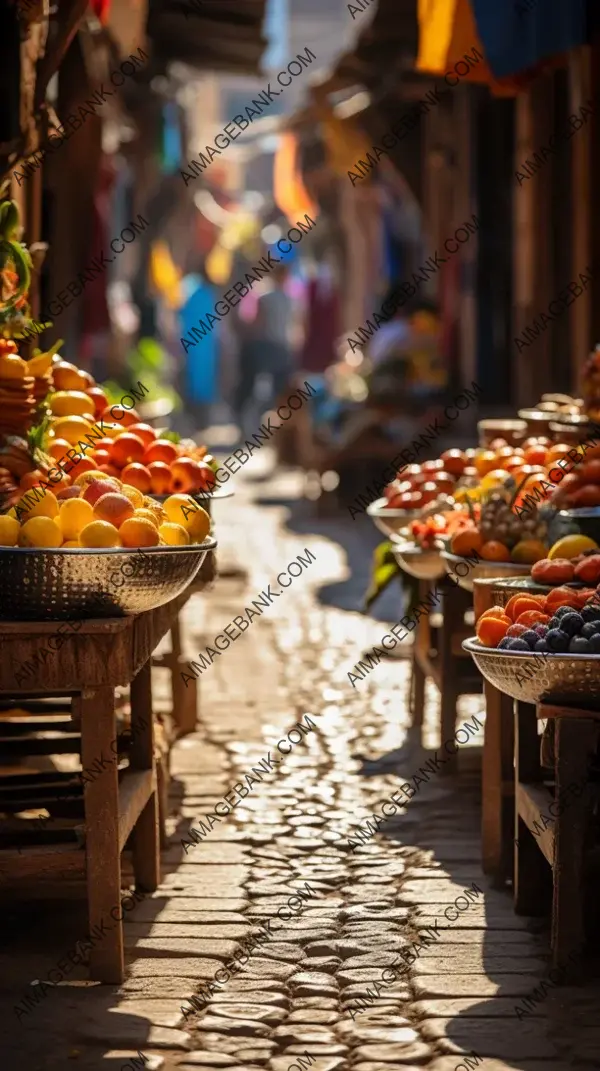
{"points": [[106, 530], [501, 544]]}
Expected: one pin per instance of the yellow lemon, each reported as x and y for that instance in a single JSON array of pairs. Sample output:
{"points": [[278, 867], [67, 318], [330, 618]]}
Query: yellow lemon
{"points": [[99, 534], [12, 366], [12, 512], [570, 546], [32, 505], [139, 532], [180, 509], [174, 535], [71, 428], [39, 365], [74, 514], [9, 531], [71, 543], [149, 515], [199, 526], [71, 403], [135, 497], [40, 532]]}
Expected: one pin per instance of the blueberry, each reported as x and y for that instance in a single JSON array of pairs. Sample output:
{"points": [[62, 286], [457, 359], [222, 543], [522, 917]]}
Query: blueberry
{"points": [[572, 623], [530, 638], [554, 622], [594, 643], [591, 613], [541, 630], [591, 628], [579, 645], [518, 644], [504, 644], [541, 645], [557, 640], [562, 610]]}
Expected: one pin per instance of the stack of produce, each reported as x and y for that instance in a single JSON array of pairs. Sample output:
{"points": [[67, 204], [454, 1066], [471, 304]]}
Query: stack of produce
{"points": [[130, 449], [17, 398], [425, 533], [497, 535], [564, 621], [99, 511], [572, 559]]}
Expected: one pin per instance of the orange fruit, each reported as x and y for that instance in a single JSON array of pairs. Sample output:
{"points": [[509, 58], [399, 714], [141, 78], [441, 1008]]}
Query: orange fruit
{"points": [[466, 542], [180, 509], [174, 535], [556, 598], [74, 514], [114, 508], [99, 534], [40, 532], [490, 630], [523, 603], [135, 497], [139, 532], [148, 515], [531, 618], [537, 600], [493, 551], [198, 526], [46, 506], [494, 611]]}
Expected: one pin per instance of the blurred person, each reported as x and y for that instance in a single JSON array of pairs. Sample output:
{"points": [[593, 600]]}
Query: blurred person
{"points": [[199, 375], [267, 343]]}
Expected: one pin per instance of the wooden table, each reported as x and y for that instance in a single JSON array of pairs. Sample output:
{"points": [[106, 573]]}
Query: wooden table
{"points": [[118, 807], [437, 653], [553, 853]]}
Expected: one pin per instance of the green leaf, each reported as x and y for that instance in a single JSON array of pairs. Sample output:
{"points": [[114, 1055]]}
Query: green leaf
{"points": [[172, 436], [384, 569]]}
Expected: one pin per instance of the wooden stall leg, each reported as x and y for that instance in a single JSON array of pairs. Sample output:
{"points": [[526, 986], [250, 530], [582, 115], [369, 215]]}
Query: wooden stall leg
{"points": [[145, 834], [452, 621], [532, 879], [575, 742], [496, 774], [96, 710], [185, 694], [421, 646]]}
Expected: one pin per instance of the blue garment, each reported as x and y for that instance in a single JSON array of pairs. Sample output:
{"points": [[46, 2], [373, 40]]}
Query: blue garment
{"points": [[202, 359], [518, 34]]}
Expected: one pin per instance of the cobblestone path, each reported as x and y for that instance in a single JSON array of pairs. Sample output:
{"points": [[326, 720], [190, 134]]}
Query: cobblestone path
{"points": [[385, 955]]}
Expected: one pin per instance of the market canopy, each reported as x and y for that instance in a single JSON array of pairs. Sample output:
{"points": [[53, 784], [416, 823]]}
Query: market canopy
{"points": [[211, 34]]}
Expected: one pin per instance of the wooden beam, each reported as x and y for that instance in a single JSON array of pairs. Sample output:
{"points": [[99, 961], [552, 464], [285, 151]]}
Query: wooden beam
{"points": [[532, 800], [70, 15], [135, 790]]}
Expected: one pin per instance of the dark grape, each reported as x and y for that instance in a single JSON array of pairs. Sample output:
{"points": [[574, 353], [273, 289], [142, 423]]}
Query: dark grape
{"points": [[591, 613], [530, 638], [541, 645], [579, 645], [594, 642], [504, 644], [557, 640], [517, 644], [572, 623]]}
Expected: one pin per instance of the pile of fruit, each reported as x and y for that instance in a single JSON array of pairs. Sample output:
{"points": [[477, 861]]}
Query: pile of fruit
{"points": [[574, 558], [74, 413], [440, 525], [562, 622], [99, 511], [497, 535]]}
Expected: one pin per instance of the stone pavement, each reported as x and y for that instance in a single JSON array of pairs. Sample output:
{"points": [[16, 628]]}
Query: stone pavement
{"points": [[366, 908]]}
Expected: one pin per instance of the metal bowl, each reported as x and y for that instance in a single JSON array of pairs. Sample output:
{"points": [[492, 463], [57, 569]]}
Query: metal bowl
{"points": [[391, 521], [512, 430], [535, 677], [422, 564], [481, 571], [76, 583]]}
